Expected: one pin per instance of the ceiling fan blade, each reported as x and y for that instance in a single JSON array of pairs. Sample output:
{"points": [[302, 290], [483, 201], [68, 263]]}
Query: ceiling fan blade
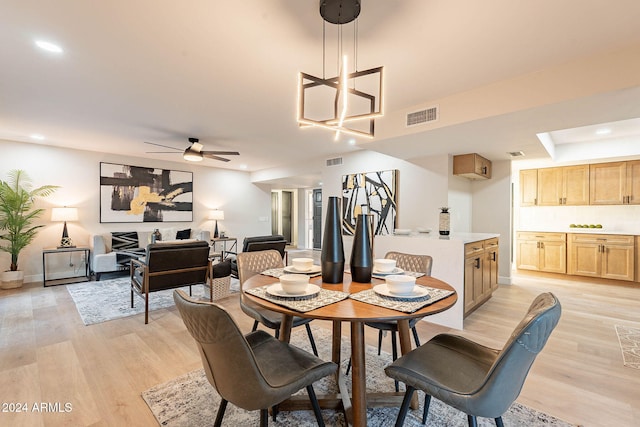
{"points": [[224, 153], [211, 156], [165, 146], [160, 152]]}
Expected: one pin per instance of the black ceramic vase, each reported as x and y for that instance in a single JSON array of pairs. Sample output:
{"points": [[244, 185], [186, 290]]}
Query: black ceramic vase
{"points": [[332, 255], [362, 252]]}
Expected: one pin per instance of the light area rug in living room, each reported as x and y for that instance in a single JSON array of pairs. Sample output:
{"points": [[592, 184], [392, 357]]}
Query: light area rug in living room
{"points": [[190, 400], [105, 300], [629, 339]]}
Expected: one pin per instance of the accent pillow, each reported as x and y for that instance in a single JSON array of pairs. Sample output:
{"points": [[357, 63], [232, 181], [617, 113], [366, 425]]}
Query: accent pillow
{"points": [[124, 240], [183, 234]]}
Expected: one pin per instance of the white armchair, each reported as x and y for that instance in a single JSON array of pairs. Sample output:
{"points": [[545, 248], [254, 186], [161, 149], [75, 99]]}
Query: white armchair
{"points": [[105, 260]]}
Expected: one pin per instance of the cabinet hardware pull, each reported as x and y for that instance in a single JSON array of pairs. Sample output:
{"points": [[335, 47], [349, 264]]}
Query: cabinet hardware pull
{"points": [[493, 254], [535, 201], [477, 262]]}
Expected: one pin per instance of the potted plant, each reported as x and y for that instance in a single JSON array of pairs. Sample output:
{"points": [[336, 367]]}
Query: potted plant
{"points": [[17, 216]]}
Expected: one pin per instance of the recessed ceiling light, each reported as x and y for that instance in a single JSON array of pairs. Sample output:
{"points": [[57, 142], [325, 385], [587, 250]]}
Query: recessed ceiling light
{"points": [[243, 166], [48, 46], [37, 136], [352, 141], [603, 131]]}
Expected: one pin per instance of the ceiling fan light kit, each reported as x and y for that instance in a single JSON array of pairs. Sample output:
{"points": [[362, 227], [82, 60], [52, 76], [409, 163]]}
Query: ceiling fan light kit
{"points": [[348, 109]]}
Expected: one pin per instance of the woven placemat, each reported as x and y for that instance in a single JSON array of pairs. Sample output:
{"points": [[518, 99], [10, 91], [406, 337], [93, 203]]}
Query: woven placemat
{"points": [[302, 304], [405, 305], [407, 273], [277, 272]]}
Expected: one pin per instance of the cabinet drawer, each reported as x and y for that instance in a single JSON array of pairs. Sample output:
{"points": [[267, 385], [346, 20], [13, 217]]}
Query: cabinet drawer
{"points": [[491, 243], [611, 239], [543, 236], [473, 248]]}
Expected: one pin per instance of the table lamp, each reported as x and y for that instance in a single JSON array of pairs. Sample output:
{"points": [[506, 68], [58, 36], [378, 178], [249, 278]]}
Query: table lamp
{"points": [[65, 214], [216, 215]]}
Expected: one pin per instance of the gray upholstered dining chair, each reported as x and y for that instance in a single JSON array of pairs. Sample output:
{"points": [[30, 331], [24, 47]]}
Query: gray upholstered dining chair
{"points": [[477, 380], [252, 263], [256, 371], [407, 262]]}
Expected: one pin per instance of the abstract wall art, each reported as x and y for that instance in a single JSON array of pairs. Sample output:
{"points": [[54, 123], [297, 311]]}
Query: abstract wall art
{"points": [[141, 194], [370, 192]]}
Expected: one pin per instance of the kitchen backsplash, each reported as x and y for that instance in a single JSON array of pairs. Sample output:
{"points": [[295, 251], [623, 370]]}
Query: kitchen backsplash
{"points": [[556, 218]]}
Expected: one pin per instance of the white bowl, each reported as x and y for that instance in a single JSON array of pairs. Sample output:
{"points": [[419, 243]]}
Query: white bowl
{"points": [[400, 284], [294, 284], [384, 265], [302, 264]]}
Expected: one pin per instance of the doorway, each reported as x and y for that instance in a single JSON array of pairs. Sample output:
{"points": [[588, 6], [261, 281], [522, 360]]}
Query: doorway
{"points": [[283, 214], [316, 218]]}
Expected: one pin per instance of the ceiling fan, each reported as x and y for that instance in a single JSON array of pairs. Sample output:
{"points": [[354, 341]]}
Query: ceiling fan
{"points": [[195, 152]]}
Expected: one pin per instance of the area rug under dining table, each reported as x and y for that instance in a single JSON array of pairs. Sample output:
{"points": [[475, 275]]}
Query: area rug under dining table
{"points": [[105, 300], [190, 400]]}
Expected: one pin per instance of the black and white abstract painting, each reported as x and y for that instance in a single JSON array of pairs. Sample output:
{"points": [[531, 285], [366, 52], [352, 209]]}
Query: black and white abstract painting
{"points": [[370, 192], [141, 194]]}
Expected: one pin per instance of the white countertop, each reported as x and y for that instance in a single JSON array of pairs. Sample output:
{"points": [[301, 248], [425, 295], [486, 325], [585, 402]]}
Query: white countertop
{"points": [[583, 231], [456, 236]]}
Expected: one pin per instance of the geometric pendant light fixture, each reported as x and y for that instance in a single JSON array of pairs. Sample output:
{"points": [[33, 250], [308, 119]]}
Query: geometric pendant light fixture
{"points": [[350, 101]]}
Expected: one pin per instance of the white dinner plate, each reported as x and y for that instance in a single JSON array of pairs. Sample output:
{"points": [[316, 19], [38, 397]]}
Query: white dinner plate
{"points": [[396, 270], [418, 292], [291, 269], [276, 290]]}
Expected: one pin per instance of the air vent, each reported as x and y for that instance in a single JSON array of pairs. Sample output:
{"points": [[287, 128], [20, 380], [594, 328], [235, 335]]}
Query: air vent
{"points": [[334, 162], [423, 116], [516, 153]]}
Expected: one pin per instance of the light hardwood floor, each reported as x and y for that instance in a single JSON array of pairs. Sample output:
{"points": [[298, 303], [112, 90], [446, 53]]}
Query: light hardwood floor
{"points": [[48, 355]]}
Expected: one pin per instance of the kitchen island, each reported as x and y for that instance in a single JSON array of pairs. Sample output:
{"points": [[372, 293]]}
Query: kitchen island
{"points": [[449, 263]]}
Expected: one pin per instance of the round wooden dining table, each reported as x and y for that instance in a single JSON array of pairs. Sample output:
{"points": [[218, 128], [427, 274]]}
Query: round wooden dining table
{"points": [[356, 313]]}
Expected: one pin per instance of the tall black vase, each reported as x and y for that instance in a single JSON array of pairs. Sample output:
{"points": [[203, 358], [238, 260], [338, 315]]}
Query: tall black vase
{"points": [[332, 255], [362, 252]]}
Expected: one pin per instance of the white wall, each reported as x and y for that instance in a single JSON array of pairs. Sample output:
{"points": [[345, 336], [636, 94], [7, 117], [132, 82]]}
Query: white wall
{"points": [[491, 212], [421, 191], [77, 173]]}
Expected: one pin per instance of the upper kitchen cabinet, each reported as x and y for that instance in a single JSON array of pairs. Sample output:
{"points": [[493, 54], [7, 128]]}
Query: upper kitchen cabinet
{"points": [[528, 187], [616, 183], [472, 166], [568, 185]]}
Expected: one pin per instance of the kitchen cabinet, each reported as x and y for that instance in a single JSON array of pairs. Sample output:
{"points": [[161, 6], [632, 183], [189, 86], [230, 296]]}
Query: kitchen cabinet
{"points": [[542, 252], [472, 166], [615, 183], [480, 272], [491, 250], [602, 255], [528, 187], [568, 185]]}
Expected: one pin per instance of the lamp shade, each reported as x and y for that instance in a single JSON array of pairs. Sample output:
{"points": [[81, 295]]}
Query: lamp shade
{"points": [[217, 215], [64, 214]]}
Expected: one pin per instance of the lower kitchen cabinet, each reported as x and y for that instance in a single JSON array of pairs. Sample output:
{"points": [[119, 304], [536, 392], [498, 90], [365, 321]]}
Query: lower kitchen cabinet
{"points": [[480, 272], [542, 252], [608, 256]]}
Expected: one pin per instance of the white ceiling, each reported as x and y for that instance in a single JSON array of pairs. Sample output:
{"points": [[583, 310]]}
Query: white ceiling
{"points": [[226, 72]]}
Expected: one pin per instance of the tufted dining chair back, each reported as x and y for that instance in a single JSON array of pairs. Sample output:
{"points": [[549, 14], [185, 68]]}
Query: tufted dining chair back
{"points": [[410, 262]]}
